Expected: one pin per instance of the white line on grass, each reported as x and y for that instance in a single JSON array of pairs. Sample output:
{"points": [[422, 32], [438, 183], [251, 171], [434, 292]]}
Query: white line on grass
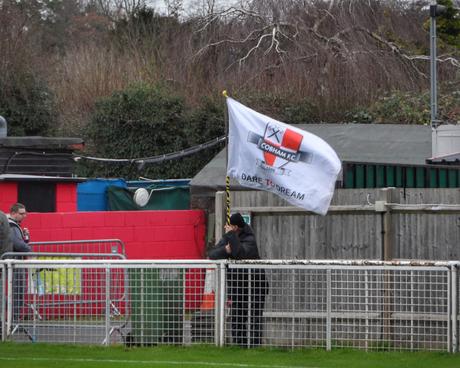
{"points": [[124, 361]]}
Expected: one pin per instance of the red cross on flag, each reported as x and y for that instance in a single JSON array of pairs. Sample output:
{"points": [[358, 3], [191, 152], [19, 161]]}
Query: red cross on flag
{"points": [[267, 154]]}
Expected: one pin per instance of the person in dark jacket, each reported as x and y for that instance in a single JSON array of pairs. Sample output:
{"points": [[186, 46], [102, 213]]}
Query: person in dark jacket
{"points": [[5, 237], [19, 235], [5, 246], [20, 238], [247, 288]]}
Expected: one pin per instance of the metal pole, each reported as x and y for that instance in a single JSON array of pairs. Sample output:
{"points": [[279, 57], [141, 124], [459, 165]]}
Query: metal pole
{"points": [[221, 304], [454, 311], [3, 298], [227, 178], [433, 76], [328, 309], [9, 299], [107, 305]]}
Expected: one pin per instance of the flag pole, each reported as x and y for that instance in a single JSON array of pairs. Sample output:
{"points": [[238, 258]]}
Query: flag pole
{"points": [[227, 178]]}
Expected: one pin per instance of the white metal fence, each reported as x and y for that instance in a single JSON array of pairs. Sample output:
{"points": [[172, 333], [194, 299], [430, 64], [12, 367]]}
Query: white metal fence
{"points": [[328, 304]]}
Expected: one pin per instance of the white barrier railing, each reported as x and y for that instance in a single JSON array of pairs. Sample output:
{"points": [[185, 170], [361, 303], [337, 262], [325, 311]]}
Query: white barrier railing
{"points": [[370, 305]]}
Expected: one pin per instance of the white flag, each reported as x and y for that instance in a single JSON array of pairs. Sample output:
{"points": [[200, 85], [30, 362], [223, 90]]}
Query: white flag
{"points": [[270, 155]]}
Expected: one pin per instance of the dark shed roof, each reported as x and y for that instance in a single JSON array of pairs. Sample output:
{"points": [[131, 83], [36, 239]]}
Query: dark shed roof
{"points": [[41, 143], [47, 156]]}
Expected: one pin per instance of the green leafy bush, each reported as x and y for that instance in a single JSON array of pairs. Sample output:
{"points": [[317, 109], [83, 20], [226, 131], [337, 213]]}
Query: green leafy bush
{"points": [[285, 108], [448, 24], [359, 116], [145, 121], [414, 107], [402, 108], [28, 106]]}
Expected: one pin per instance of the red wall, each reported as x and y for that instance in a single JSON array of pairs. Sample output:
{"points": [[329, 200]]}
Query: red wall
{"points": [[66, 196], [8, 195], [146, 234]]}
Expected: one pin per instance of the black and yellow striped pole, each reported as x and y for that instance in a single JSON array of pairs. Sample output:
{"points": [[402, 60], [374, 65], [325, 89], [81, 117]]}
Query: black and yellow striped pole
{"points": [[227, 178]]}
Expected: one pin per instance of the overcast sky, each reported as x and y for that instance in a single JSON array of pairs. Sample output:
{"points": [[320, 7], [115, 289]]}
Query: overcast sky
{"points": [[190, 6]]}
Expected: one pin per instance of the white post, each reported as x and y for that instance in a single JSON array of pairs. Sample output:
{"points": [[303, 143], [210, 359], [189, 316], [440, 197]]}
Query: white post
{"points": [[221, 298], [454, 309], [9, 318], [107, 305]]}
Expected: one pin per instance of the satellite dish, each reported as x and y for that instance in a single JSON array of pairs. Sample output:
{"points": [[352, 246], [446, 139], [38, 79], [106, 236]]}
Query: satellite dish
{"points": [[141, 197]]}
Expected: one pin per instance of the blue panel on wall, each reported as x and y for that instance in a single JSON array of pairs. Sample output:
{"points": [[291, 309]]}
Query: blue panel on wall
{"points": [[92, 194]]}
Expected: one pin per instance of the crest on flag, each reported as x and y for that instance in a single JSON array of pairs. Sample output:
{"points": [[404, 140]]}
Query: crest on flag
{"points": [[270, 155], [280, 147]]}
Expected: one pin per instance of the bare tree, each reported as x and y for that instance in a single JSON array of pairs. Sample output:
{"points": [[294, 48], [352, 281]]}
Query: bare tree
{"points": [[117, 8], [332, 51]]}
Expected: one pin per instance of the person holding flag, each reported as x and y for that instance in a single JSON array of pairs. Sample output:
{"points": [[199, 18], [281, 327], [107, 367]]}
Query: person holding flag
{"points": [[244, 286], [266, 154]]}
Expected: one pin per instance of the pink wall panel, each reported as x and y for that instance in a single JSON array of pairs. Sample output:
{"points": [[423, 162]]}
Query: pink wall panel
{"points": [[8, 195], [66, 196], [146, 234]]}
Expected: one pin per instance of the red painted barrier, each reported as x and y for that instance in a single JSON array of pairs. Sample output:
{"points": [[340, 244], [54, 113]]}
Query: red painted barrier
{"points": [[146, 235]]}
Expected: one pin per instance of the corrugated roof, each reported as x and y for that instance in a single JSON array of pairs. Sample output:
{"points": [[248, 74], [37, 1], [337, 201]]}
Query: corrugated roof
{"points": [[372, 143]]}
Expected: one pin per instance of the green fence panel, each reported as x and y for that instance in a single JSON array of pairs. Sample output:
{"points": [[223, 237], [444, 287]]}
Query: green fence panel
{"points": [[399, 182], [390, 176], [370, 176], [360, 176], [452, 178], [442, 178], [433, 176], [349, 174], [380, 176], [420, 177], [410, 177]]}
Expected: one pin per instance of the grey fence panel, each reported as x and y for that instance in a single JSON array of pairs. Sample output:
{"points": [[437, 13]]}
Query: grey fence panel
{"points": [[415, 233], [97, 246], [306, 236], [368, 305], [395, 308], [426, 235], [353, 196], [51, 303], [109, 302]]}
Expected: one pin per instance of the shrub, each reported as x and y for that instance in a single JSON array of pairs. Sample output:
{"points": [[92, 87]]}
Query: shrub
{"points": [[28, 105], [402, 108], [145, 121], [414, 108]]}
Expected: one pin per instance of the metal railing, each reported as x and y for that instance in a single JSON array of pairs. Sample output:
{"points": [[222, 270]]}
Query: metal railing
{"points": [[97, 246], [327, 304], [37, 294]]}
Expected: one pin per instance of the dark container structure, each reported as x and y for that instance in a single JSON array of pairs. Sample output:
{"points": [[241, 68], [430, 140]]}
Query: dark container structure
{"points": [[38, 155]]}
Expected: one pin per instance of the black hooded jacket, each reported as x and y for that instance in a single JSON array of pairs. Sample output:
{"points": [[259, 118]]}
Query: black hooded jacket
{"points": [[243, 245]]}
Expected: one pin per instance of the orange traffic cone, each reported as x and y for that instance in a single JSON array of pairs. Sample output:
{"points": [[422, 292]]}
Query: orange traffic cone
{"points": [[208, 292]]}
